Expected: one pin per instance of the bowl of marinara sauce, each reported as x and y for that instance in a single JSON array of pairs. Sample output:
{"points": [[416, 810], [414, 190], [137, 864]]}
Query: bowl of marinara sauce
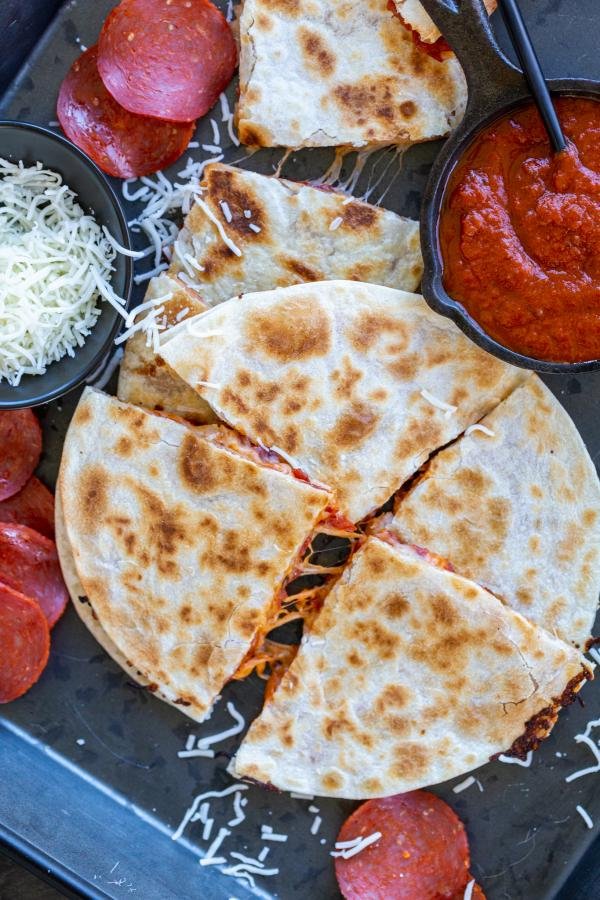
{"points": [[519, 237]]}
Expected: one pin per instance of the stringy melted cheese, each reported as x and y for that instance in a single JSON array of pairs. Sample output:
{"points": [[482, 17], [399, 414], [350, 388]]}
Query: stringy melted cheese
{"points": [[55, 266]]}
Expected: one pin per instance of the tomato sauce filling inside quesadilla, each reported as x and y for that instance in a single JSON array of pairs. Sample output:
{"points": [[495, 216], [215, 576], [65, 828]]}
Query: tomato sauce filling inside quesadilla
{"points": [[520, 233], [439, 49]]}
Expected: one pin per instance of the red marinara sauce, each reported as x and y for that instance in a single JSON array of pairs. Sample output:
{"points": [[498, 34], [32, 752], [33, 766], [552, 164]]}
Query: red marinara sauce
{"points": [[520, 233]]}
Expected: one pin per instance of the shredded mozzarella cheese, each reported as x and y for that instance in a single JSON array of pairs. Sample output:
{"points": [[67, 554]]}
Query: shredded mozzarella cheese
{"points": [[587, 739], [483, 428], [440, 404], [584, 815], [512, 760], [469, 890], [343, 849], [56, 263]]}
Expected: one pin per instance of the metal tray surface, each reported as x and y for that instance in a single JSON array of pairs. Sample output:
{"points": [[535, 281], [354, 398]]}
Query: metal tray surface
{"points": [[91, 784]]}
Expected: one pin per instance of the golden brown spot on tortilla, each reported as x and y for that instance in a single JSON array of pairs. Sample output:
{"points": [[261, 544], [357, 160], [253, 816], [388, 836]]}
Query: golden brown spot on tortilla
{"points": [[354, 659], [395, 606], [304, 272], [378, 395], [331, 781], [253, 135], [410, 762], [371, 786], [295, 329], [524, 596], [369, 326], [408, 109], [244, 378], [536, 492], [535, 543], [380, 641], [345, 379], [394, 695], [443, 611], [185, 613], [153, 470], [263, 22], [291, 407], [202, 655], [354, 426], [82, 415], [226, 186], [266, 393], [396, 725], [404, 368], [317, 55], [163, 528], [94, 496], [589, 517], [195, 466], [124, 446], [370, 100], [419, 435], [359, 215], [234, 400], [130, 542]]}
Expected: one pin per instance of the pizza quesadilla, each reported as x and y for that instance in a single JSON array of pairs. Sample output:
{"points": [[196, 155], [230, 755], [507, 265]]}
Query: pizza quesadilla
{"points": [[410, 675], [515, 504], [287, 232], [183, 539], [322, 73], [143, 377], [354, 384]]}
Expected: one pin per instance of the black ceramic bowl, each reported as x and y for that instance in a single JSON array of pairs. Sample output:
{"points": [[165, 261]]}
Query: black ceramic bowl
{"points": [[495, 87], [31, 143]]}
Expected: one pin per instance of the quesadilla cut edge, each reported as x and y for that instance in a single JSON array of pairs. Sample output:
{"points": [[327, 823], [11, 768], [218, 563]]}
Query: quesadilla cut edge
{"points": [[410, 675]]}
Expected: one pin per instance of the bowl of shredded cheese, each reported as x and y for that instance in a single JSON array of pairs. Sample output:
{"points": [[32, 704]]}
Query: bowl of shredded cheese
{"points": [[66, 269]]}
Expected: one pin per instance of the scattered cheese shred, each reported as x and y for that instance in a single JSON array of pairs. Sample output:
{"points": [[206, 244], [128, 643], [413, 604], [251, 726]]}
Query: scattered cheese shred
{"points": [[469, 890], [463, 785], [347, 849], [440, 404], [587, 739], [336, 223], [56, 264], [513, 761], [584, 815], [224, 237], [483, 428]]}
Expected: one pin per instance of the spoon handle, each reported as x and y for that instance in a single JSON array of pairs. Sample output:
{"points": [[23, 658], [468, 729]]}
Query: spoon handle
{"points": [[465, 25], [532, 71]]}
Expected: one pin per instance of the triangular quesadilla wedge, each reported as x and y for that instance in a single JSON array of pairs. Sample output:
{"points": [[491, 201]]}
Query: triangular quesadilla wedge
{"points": [[288, 232], [182, 539], [410, 675], [355, 384], [322, 73], [143, 377], [515, 504], [419, 22]]}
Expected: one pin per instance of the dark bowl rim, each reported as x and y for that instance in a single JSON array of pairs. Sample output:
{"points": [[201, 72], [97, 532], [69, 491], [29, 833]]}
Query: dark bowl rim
{"points": [[124, 239], [432, 286]]}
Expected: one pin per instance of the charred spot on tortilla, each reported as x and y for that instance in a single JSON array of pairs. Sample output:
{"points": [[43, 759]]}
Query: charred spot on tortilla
{"points": [[358, 216], [296, 330], [94, 494], [239, 198], [302, 270], [354, 426]]}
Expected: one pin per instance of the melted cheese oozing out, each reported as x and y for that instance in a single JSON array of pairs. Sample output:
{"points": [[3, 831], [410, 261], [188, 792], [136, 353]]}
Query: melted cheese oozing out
{"points": [[56, 264]]}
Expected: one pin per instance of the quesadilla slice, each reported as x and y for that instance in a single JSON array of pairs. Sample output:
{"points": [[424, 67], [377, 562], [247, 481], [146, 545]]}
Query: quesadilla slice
{"points": [[143, 377], [323, 73], [515, 504], [415, 18], [410, 675], [354, 384], [288, 232], [183, 539]]}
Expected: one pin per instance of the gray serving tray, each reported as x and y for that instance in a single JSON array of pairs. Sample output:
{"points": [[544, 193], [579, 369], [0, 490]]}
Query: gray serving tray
{"points": [[91, 786]]}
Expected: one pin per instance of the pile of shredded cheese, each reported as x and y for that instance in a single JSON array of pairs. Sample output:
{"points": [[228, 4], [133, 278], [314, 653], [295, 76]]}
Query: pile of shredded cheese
{"points": [[55, 266]]}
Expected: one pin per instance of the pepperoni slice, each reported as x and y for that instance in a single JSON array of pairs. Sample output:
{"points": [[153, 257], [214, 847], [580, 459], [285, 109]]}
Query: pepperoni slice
{"points": [[119, 142], [29, 564], [32, 506], [166, 58], [25, 643], [20, 449], [423, 850]]}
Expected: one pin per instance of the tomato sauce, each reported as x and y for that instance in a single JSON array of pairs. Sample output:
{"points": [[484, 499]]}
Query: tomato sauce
{"points": [[520, 233]]}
